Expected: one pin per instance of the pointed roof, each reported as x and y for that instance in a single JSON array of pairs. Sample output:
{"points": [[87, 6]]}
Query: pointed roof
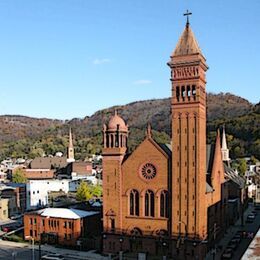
{"points": [[187, 43], [224, 141], [70, 139]]}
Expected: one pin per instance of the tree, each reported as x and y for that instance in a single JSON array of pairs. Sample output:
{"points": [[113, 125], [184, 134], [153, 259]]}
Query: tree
{"points": [[97, 191], [83, 192], [242, 166], [19, 177]]}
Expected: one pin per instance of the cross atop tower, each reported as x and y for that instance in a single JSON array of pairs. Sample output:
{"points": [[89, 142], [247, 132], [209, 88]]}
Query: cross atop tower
{"points": [[187, 14]]}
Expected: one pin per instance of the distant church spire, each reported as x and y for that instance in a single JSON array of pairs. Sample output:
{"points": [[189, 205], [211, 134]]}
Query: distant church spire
{"points": [[149, 131], [224, 149], [70, 153]]}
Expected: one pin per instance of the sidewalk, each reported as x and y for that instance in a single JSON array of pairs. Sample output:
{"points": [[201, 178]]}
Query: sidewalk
{"points": [[79, 255], [231, 231]]}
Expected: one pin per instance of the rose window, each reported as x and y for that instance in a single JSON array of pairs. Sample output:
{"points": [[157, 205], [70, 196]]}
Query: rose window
{"points": [[148, 171]]}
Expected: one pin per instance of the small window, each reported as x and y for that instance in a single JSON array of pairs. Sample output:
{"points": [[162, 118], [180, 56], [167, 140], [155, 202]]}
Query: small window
{"points": [[31, 233]]}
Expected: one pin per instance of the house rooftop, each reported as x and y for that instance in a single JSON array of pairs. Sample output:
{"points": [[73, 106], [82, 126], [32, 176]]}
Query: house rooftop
{"points": [[64, 213]]}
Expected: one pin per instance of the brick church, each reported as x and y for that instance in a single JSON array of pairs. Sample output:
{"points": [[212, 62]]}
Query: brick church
{"points": [[167, 199]]}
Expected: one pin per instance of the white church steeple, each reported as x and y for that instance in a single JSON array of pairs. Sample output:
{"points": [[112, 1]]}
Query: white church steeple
{"points": [[224, 149], [70, 153]]}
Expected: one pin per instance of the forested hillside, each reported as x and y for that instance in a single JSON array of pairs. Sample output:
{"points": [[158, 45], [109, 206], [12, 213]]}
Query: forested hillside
{"points": [[29, 137]]}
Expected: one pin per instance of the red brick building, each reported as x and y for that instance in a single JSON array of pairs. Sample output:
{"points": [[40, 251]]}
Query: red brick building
{"points": [[38, 174], [60, 225], [167, 199]]}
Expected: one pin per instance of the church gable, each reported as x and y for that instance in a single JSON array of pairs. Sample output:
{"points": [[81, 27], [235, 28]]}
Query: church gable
{"points": [[146, 167]]}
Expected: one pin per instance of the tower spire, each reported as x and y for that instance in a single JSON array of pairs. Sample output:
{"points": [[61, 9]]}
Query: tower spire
{"points": [[70, 139], [70, 153], [224, 141], [224, 148]]}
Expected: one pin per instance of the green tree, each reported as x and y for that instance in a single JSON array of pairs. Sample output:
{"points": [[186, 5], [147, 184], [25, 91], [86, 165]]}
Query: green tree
{"points": [[253, 159], [19, 177], [97, 191], [242, 166], [83, 192]]}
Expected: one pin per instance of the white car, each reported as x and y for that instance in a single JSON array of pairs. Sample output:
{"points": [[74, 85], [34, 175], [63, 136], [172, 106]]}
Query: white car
{"points": [[53, 257]]}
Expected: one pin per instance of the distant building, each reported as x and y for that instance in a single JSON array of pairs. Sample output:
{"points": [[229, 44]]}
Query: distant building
{"points": [[236, 186], [257, 193], [48, 163], [38, 190], [4, 210], [20, 193], [9, 196], [61, 226], [34, 174]]}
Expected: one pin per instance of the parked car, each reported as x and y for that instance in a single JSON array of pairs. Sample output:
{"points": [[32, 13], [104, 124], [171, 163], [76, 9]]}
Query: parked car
{"points": [[249, 220], [227, 254], [254, 212], [16, 216], [237, 236], [251, 215], [235, 240], [232, 244], [53, 257]]}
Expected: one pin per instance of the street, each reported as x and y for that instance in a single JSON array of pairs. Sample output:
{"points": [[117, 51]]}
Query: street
{"points": [[20, 251], [243, 245], [16, 253]]}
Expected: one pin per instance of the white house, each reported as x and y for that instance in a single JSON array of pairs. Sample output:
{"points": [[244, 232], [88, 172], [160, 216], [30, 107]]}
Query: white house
{"points": [[37, 191]]}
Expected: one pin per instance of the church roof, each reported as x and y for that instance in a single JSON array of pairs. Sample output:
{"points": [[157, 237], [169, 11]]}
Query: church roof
{"points": [[233, 176], [229, 172], [187, 43], [210, 150], [116, 121]]}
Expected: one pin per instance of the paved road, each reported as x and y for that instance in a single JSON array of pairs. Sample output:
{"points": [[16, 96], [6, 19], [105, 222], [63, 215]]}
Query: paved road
{"points": [[6, 253], [24, 252]]}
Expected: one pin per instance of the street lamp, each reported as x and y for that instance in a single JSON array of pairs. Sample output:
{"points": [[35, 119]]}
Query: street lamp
{"points": [[185, 236], [14, 254], [32, 239], [121, 240]]}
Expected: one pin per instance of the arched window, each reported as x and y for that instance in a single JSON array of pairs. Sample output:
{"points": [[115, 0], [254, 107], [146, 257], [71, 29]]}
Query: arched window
{"points": [[149, 203], [164, 204], [134, 203]]}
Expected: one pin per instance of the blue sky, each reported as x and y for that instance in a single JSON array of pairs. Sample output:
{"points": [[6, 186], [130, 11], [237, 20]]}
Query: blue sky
{"points": [[70, 58]]}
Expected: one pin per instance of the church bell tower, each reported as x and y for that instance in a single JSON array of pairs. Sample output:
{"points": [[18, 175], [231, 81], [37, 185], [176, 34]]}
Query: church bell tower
{"points": [[188, 76], [70, 149], [115, 136]]}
